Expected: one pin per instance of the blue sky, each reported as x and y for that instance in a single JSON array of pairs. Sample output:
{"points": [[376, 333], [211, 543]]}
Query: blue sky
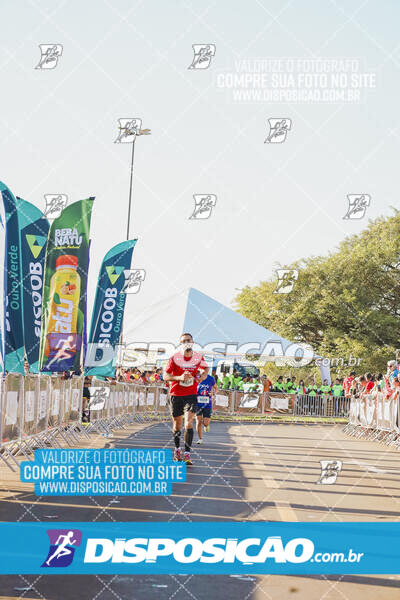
{"points": [[275, 202]]}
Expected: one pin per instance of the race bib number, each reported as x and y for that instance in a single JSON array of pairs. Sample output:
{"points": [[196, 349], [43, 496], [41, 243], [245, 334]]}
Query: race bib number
{"points": [[187, 383], [202, 399]]}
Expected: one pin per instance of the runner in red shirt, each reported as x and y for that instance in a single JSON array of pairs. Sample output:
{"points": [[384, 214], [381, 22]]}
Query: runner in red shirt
{"points": [[184, 370], [347, 383]]}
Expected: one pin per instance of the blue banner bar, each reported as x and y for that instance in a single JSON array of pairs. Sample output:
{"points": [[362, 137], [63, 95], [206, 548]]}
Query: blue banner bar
{"points": [[103, 472], [200, 548]]}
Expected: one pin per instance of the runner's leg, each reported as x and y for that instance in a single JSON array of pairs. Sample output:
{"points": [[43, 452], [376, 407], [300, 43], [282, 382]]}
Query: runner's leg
{"points": [[188, 430], [177, 418], [190, 411], [177, 426], [199, 423]]}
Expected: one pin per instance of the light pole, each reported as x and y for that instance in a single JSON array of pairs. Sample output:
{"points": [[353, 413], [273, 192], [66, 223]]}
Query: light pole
{"points": [[129, 129]]}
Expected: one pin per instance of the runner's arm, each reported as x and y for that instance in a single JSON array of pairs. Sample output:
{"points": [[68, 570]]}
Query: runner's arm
{"points": [[169, 373], [203, 374], [170, 377]]}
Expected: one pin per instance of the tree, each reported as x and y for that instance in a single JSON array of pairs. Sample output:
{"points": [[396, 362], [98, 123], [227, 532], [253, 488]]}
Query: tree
{"points": [[345, 303]]}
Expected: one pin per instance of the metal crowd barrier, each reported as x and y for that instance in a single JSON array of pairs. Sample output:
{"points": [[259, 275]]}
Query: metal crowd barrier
{"points": [[234, 402], [375, 417], [322, 406], [40, 411]]}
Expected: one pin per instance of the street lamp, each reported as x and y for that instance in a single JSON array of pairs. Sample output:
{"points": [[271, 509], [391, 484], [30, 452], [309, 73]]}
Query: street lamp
{"points": [[129, 129]]}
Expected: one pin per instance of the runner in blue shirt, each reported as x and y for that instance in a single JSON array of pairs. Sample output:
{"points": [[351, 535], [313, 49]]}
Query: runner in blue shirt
{"points": [[205, 394]]}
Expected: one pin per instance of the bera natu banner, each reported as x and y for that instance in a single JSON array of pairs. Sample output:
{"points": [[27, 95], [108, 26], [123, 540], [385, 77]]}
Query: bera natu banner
{"points": [[108, 312], [64, 290]]}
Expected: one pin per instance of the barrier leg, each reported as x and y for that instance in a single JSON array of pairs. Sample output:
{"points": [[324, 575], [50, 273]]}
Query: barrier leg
{"points": [[20, 448], [3, 458]]}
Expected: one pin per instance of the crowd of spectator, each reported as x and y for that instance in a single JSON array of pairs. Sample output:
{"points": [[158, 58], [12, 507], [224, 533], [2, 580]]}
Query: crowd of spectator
{"points": [[351, 385]]}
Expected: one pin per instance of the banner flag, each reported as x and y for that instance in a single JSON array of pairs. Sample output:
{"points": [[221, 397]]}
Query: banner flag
{"points": [[13, 305], [64, 290], [34, 229], [108, 312], [85, 319], [3, 282]]}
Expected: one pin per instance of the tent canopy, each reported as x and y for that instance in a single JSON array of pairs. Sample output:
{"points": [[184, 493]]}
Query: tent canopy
{"points": [[217, 329]]}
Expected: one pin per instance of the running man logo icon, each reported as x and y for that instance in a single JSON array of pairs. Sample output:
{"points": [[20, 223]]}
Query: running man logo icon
{"points": [[63, 543], [330, 469], [98, 397], [358, 204], [286, 280], [55, 204], [129, 129], [50, 53], [278, 129], [133, 280], [203, 54], [203, 205]]}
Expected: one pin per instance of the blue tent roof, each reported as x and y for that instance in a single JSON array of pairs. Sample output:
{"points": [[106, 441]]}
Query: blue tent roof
{"points": [[210, 321], [211, 324]]}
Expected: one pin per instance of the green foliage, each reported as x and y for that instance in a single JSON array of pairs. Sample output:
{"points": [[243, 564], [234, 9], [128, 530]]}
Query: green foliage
{"points": [[346, 303]]}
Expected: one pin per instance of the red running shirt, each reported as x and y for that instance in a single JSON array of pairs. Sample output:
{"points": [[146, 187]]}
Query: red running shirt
{"points": [[347, 384], [177, 365], [370, 385]]}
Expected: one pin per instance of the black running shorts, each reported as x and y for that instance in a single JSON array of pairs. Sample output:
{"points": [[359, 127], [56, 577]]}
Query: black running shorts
{"points": [[182, 404]]}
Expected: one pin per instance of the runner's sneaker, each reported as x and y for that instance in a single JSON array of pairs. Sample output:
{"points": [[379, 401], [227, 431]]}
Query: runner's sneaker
{"points": [[187, 459], [207, 429], [177, 454], [199, 441]]}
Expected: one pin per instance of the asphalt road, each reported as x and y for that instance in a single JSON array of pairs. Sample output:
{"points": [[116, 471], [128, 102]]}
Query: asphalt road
{"points": [[243, 472]]}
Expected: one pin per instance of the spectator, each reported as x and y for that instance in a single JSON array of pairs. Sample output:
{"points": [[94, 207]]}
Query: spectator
{"points": [[279, 386], [301, 389], [86, 402], [380, 382], [370, 383], [288, 386], [337, 388], [226, 381], [392, 372], [313, 389], [326, 388], [267, 384], [347, 384]]}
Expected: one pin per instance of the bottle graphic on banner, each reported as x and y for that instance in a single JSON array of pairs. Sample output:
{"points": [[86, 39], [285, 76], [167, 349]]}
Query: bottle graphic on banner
{"points": [[62, 338]]}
